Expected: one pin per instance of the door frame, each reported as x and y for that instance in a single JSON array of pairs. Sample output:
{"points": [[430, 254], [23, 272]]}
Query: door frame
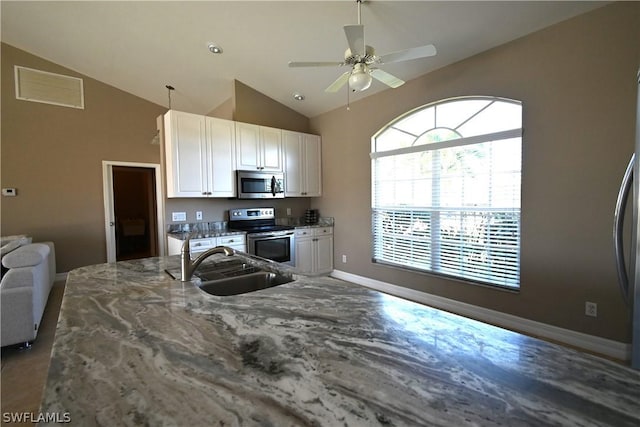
{"points": [[109, 215]]}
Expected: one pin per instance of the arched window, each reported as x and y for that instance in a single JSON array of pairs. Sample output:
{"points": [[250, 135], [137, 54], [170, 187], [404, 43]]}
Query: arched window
{"points": [[446, 190]]}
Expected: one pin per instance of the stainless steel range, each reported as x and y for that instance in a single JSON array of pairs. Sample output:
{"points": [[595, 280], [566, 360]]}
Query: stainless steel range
{"points": [[264, 238]]}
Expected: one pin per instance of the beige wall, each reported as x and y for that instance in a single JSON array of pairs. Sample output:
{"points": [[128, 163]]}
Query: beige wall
{"points": [[53, 156], [577, 84], [251, 106], [223, 111]]}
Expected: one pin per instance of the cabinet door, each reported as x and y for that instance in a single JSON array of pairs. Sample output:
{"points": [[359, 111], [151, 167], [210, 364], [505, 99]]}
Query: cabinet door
{"points": [[247, 146], [221, 135], [324, 254], [270, 149], [312, 169], [292, 151], [174, 246], [185, 151], [304, 254]]}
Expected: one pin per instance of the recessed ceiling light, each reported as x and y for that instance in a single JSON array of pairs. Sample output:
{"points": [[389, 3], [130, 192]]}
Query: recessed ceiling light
{"points": [[213, 48], [298, 96]]}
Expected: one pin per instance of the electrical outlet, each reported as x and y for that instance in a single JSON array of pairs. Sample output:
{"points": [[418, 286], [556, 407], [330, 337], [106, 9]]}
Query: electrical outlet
{"points": [[344, 259], [288, 211], [199, 215], [178, 216], [591, 309]]}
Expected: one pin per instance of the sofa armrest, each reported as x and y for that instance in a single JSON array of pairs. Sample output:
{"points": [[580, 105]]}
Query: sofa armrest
{"points": [[26, 256], [17, 278], [17, 316]]}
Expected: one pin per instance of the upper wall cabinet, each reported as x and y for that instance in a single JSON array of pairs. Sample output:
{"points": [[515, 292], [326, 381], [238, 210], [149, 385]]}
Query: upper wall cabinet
{"points": [[302, 164], [200, 155], [258, 148]]}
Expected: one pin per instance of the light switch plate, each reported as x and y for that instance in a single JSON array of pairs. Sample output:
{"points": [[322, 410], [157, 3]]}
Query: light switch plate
{"points": [[199, 215], [178, 216]]}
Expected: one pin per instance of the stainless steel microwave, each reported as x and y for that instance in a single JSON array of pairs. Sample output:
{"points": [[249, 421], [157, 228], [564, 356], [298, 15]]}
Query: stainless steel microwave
{"points": [[260, 185]]}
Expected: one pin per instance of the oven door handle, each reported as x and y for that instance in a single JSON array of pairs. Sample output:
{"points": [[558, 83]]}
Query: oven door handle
{"points": [[269, 236]]}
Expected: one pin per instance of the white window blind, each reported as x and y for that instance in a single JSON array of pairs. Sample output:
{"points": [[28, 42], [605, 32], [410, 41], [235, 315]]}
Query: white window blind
{"points": [[446, 190]]}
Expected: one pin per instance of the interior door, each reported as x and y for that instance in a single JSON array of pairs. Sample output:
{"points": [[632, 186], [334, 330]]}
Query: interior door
{"points": [[134, 211]]}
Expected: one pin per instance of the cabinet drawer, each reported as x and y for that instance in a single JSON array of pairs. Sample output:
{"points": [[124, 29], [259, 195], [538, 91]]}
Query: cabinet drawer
{"points": [[322, 231], [303, 232], [313, 231], [231, 240], [201, 244]]}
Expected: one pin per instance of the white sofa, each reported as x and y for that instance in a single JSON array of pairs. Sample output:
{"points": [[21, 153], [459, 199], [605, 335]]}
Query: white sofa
{"points": [[29, 271]]}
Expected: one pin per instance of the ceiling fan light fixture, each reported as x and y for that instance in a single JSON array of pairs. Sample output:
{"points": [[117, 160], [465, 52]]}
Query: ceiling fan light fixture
{"points": [[360, 79]]}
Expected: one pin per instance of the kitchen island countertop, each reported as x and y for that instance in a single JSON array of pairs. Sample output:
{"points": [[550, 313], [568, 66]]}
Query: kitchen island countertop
{"points": [[135, 347]]}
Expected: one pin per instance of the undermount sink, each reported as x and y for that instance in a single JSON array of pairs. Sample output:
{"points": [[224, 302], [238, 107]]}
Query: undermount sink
{"points": [[234, 277], [224, 270], [242, 284]]}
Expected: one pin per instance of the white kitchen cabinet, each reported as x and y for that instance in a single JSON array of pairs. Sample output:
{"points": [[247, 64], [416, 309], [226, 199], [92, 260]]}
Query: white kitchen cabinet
{"points": [[314, 250], [174, 245], [200, 155], [198, 245], [221, 135], [258, 148], [302, 164], [236, 241]]}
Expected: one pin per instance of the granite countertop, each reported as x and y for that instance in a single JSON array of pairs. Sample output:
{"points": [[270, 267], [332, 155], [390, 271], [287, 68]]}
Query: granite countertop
{"points": [[182, 235], [134, 347]]}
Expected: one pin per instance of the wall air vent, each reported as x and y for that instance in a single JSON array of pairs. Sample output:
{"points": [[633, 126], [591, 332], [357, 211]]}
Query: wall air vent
{"points": [[49, 88]]}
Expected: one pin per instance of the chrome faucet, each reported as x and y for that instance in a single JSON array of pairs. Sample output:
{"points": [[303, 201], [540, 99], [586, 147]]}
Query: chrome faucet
{"points": [[188, 266]]}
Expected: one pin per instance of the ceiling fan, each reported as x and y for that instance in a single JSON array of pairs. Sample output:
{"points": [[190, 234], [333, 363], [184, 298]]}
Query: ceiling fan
{"points": [[364, 62]]}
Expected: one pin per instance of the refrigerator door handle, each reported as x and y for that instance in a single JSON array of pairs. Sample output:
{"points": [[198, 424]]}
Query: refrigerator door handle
{"points": [[618, 225]]}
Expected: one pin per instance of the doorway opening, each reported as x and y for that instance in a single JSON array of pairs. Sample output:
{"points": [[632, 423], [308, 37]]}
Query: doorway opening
{"points": [[133, 211], [135, 206]]}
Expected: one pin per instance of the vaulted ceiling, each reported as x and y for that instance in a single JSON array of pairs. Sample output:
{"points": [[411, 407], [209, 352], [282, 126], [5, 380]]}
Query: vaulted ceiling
{"points": [[142, 46]]}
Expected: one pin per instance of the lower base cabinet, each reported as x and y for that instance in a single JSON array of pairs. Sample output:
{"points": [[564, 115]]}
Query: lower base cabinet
{"points": [[314, 250], [236, 241]]}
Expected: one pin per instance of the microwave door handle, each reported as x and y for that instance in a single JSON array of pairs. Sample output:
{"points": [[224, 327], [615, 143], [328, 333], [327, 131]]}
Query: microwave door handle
{"points": [[273, 185]]}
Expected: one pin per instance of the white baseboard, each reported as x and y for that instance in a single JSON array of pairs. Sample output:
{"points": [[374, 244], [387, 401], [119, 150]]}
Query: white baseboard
{"points": [[61, 277], [603, 346]]}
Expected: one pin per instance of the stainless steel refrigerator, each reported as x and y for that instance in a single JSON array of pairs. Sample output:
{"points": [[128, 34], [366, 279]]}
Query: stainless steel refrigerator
{"points": [[627, 245]]}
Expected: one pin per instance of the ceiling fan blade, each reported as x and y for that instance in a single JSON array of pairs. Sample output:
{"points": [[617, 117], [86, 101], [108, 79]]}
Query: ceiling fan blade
{"points": [[386, 78], [294, 64], [355, 38], [408, 54], [340, 81]]}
